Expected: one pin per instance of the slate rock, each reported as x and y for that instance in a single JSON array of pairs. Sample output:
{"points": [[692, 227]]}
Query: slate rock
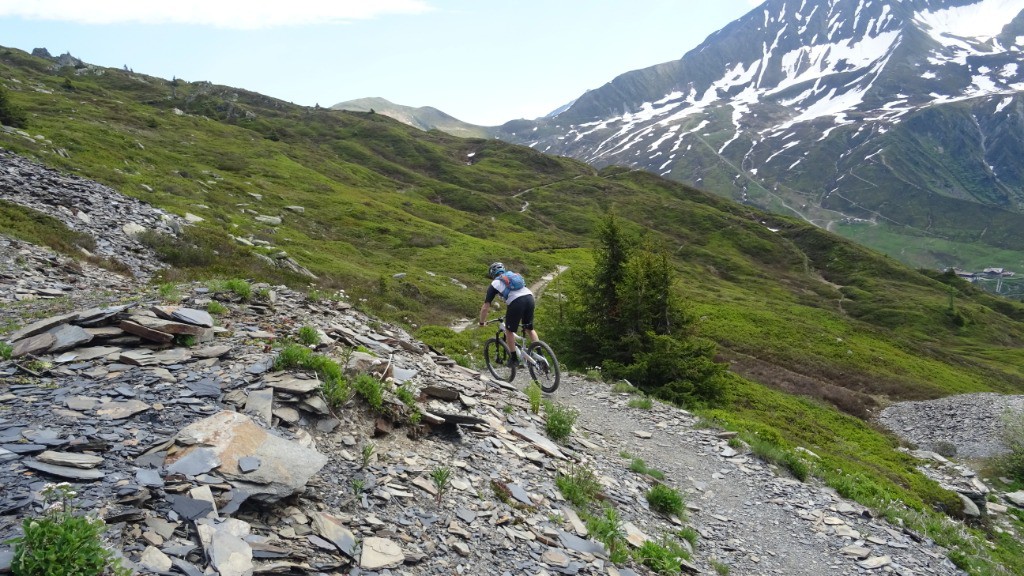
{"points": [[380, 553], [33, 345], [189, 508], [332, 529], [286, 465], [41, 326], [83, 461], [63, 471]]}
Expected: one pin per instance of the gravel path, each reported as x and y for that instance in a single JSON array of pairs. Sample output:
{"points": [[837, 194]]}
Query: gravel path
{"points": [[749, 518]]}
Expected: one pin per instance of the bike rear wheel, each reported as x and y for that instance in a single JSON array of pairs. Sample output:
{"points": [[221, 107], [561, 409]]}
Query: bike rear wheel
{"points": [[543, 366], [496, 356]]}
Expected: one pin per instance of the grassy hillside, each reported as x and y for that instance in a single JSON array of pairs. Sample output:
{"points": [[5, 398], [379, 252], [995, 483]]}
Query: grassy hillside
{"points": [[791, 306]]}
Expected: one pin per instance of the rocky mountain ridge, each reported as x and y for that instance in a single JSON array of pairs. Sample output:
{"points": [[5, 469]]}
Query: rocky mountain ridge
{"points": [[843, 112], [123, 424]]}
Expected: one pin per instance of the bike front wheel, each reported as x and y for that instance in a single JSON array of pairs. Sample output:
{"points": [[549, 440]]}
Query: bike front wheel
{"points": [[543, 366], [496, 357]]}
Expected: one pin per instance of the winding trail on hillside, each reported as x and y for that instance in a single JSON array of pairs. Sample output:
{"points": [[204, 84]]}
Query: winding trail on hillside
{"points": [[749, 518], [537, 288]]}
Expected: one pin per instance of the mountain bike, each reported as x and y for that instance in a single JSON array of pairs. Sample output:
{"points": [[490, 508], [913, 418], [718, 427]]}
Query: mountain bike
{"points": [[538, 358]]}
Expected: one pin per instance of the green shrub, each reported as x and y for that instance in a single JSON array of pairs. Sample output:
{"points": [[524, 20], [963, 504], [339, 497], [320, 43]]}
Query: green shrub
{"points": [[767, 445], [335, 387], [406, 395], [606, 528], [366, 453], [239, 287], [1012, 464], [441, 476], [665, 500], [690, 535], [644, 403], [62, 542], [11, 114], [309, 336], [456, 345], [945, 449], [623, 387], [578, 485], [371, 390], [216, 308], [6, 350], [559, 420], [169, 292], [640, 467], [663, 557], [533, 393]]}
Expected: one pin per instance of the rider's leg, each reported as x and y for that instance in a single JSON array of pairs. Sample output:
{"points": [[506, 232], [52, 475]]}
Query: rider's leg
{"points": [[510, 339]]}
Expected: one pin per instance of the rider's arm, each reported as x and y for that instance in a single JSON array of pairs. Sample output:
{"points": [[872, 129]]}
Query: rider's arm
{"points": [[491, 293], [483, 312]]}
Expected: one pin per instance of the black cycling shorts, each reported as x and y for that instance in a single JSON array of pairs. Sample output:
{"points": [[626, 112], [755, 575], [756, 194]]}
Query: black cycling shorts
{"points": [[520, 310]]}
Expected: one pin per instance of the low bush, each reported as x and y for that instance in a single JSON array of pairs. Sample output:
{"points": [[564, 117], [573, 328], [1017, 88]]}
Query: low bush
{"points": [[1012, 463], [640, 467], [371, 390], [335, 387], [578, 485], [62, 542], [663, 557], [559, 420], [533, 393], [606, 528], [643, 403], [309, 336], [665, 500]]}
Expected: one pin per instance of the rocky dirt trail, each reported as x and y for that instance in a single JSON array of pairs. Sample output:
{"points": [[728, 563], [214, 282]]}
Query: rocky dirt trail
{"points": [[751, 518]]}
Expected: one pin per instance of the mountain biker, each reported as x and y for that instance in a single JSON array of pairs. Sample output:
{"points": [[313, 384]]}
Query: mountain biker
{"points": [[520, 304]]}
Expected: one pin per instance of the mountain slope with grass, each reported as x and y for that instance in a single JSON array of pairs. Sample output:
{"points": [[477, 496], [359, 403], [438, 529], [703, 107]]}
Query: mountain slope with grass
{"points": [[424, 117], [894, 123], [406, 222]]}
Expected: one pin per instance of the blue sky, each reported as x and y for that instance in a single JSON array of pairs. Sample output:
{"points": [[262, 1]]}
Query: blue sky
{"points": [[482, 61]]}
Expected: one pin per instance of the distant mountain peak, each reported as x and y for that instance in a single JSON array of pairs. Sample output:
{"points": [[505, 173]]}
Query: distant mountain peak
{"points": [[424, 118], [831, 109]]}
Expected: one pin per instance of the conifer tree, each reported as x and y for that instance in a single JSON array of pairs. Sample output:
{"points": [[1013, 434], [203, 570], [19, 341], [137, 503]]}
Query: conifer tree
{"points": [[11, 115]]}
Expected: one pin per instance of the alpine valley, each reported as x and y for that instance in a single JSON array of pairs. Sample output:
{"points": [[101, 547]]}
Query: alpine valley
{"points": [[899, 124]]}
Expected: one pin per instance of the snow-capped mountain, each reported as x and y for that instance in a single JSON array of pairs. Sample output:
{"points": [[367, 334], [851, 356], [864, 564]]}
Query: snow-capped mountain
{"points": [[906, 112]]}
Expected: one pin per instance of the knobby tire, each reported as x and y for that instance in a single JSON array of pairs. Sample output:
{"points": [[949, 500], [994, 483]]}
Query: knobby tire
{"points": [[546, 373], [496, 357]]}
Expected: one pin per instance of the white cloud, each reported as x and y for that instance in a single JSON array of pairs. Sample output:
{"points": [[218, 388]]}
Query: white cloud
{"points": [[245, 14]]}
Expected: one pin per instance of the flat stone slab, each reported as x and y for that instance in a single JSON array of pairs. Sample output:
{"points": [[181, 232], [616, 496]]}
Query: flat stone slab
{"points": [[168, 326], [90, 353], [146, 332], [380, 553], [70, 459], [293, 384], [543, 443], [40, 326], [63, 471], [186, 315], [331, 529], [139, 357], [121, 410], [33, 345], [211, 351], [68, 336]]}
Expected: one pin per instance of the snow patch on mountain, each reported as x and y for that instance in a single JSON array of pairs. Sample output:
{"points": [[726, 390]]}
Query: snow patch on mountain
{"points": [[980, 21]]}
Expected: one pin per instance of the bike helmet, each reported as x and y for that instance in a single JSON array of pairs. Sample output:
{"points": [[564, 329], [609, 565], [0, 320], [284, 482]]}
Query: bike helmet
{"points": [[495, 269]]}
